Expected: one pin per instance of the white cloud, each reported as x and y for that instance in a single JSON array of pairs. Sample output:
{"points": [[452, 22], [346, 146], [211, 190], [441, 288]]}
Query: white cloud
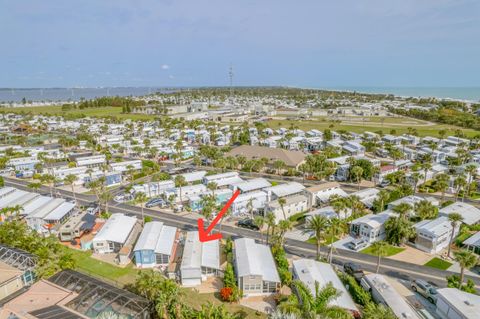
{"points": [[165, 66]]}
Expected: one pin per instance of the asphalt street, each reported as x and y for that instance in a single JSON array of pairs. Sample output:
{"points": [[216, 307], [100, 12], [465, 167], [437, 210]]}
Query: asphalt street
{"points": [[389, 267]]}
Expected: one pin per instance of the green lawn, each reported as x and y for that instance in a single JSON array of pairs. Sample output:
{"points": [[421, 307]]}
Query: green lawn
{"points": [[103, 270], [438, 263], [359, 127], [93, 112], [391, 250], [326, 242]]}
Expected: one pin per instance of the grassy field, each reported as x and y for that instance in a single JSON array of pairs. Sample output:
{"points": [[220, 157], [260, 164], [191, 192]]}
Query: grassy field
{"points": [[438, 263], [373, 124], [93, 112], [391, 250], [122, 276]]}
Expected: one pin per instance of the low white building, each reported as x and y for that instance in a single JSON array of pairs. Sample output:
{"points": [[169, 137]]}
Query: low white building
{"points": [[453, 303], [470, 214], [367, 196], [253, 200], [310, 271], [371, 227], [434, 235], [255, 268], [92, 161], [115, 233], [125, 166], [321, 193], [293, 205], [199, 261], [251, 185]]}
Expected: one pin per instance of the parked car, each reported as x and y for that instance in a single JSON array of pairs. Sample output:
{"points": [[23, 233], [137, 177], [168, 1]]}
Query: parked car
{"points": [[93, 210], [357, 244], [425, 289], [154, 202], [354, 270], [384, 183], [248, 223], [119, 198]]}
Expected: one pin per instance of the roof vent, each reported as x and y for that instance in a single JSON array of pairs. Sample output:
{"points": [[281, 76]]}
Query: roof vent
{"points": [[468, 303]]}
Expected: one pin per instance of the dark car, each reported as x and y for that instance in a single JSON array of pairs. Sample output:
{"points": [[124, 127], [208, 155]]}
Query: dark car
{"points": [[354, 270], [155, 202], [248, 223]]}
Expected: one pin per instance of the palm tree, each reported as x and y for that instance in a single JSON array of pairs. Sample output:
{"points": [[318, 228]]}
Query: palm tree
{"points": [[455, 219], [141, 198], [316, 304], [357, 171], [460, 182], [271, 222], [466, 259], [379, 248], [471, 171], [49, 180], [259, 221], [282, 201], [35, 186], [415, 178], [316, 227], [106, 197], [180, 182], [426, 166], [284, 226], [426, 210], [70, 180], [383, 196], [336, 227], [279, 165], [250, 207], [402, 209], [212, 186], [441, 183]]}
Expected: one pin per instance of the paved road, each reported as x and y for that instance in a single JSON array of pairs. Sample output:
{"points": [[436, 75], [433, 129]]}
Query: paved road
{"points": [[390, 267]]}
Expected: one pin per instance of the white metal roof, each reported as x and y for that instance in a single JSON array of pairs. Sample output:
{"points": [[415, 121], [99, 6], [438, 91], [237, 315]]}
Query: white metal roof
{"points": [[33, 205], [252, 184], [24, 199], [412, 200], [463, 302], [392, 298], [255, 259], [473, 240], [193, 176], [375, 220], [311, 271], [228, 181], [44, 210], [285, 189], [435, 227], [59, 212], [6, 190], [157, 237], [116, 229], [211, 178], [11, 198], [197, 254], [325, 196], [470, 214]]}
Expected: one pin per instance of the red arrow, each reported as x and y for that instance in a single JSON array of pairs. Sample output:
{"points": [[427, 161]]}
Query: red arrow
{"points": [[203, 234]]}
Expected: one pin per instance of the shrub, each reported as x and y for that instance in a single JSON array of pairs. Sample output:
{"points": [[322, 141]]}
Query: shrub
{"points": [[359, 294], [226, 293]]}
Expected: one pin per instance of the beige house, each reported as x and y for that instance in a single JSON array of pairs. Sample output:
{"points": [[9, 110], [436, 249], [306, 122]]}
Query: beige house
{"points": [[291, 159], [10, 280]]}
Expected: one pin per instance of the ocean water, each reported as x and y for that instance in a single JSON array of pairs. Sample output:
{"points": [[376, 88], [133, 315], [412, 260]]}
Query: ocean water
{"points": [[74, 94], [456, 93]]}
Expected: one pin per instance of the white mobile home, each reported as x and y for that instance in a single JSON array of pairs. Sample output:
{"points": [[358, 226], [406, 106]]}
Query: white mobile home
{"points": [[453, 303], [383, 293], [470, 213], [115, 233], [311, 271], [434, 235], [199, 261], [371, 227], [255, 268]]}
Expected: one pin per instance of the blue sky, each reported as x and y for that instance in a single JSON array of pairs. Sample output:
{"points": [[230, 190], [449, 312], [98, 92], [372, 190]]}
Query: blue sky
{"points": [[308, 43]]}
